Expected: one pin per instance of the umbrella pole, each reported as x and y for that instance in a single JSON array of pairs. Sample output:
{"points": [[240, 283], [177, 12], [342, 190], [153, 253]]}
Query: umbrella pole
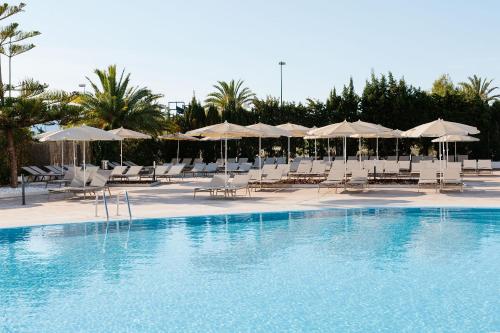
{"points": [[447, 153], [345, 163], [359, 152], [121, 152], [62, 157], [178, 145], [288, 159], [397, 149], [225, 163], [328, 141], [260, 159], [74, 156], [377, 148], [84, 165], [315, 150], [455, 157]]}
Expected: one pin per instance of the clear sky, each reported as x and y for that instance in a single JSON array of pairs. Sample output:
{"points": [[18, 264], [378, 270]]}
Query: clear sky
{"points": [[175, 47]]}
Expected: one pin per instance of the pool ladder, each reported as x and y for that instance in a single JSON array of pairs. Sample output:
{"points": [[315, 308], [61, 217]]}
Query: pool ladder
{"points": [[105, 204]]}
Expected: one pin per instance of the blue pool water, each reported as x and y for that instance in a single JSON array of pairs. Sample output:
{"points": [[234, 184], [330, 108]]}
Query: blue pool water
{"points": [[358, 270]]}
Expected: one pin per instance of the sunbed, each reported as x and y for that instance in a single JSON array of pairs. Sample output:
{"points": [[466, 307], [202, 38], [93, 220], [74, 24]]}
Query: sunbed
{"points": [[452, 180], [174, 172], [484, 166], [198, 169], [359, 178], [98, 183], [239, 182], [427, 178], [335, 178], [391, 169], [159, 171], [210, 168], [65, 180], [469, 166], [244, 167], [118, 171], [270, 160], [303, 170], [272, 178], [242, 160], [217, 183]]}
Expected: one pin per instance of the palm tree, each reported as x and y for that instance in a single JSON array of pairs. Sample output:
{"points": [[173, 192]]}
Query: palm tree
{"points": [[230, 96], [479, 87], [32, 105], [112, 104]]}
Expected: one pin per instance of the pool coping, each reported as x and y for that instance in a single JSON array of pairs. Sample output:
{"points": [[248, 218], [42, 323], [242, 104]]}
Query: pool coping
{"points": [[252, 213]]}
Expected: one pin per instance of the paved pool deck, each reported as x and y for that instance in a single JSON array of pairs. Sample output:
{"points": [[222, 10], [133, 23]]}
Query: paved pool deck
{"points": [[176, 199]]}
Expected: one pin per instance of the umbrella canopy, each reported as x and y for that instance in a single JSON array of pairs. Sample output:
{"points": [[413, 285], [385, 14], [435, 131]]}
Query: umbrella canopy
{"points": [[81, 133], [438, 128], [294, 130], [268, 131], [342, 129], [225, 131], [456, 138], [129, 134]]}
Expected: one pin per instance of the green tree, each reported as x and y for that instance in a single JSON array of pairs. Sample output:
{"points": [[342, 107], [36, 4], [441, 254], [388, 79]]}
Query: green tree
{"points": [[113, 103], [477, 87], [230, 96], [32, 105], [443, 86]]}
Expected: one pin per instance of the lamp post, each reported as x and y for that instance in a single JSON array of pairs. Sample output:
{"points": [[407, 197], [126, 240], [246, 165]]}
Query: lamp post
{"points": [[82, 85], [281, 64]]}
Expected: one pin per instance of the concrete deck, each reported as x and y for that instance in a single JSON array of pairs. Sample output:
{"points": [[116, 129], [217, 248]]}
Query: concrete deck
{"points": [[169, 200]]}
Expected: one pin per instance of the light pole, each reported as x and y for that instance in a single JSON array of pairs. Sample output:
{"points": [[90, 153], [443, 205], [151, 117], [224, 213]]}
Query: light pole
{"points": [[281, 63], [82, 85]]}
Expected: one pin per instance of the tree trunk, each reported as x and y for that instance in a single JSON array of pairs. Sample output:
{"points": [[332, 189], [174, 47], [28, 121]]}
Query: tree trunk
{"points": [[11, 149]]}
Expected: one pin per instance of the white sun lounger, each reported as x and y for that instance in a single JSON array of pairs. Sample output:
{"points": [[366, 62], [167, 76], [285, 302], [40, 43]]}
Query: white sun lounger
{"points": [[484, 166], [359, 178], [217, 183], [427, 178], [335, 178], [452, 180]]}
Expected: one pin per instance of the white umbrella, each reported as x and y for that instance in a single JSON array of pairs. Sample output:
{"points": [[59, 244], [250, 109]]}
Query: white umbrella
{"points": [[267, 131], [127, 134], [178, 137], [39, 136], [343, 129], [295, 131], [378, 132], [439, 128], [455, 139], [225, 131], [82, 133]]}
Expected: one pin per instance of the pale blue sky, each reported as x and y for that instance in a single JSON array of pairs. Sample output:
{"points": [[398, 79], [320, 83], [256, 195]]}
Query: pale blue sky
{"points": [[175, 47]]}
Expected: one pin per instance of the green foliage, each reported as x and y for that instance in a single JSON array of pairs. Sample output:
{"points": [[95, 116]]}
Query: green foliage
{"points": [[113, 103], [443, 86], [230, 96], [477, 87]]}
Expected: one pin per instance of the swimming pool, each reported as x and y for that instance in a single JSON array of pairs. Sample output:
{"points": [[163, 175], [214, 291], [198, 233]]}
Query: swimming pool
{"points": [[359, 270]]}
